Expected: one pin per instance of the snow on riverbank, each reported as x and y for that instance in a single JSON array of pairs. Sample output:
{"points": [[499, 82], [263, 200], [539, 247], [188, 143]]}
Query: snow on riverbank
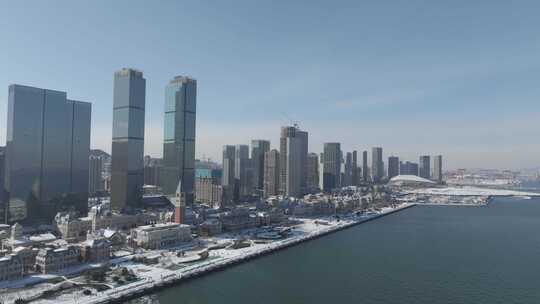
{"points": [[153, 275], [470, 191]]}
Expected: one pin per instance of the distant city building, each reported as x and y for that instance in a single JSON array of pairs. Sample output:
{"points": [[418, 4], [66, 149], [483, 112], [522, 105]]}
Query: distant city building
{"points": [[348, 172], [258, 150], [365, 169], [356, 171], [153, 168], [332, 157], [179, 136], [95, 180], [228, 180], [437, 169], [312, 172], [424, 169], [377, 165], [2, 191], [293, 163], [271, 173], [47, 154], [208, 191], [50, 260], [243, 171], [128, 139], [408, 168], [393, 166]]}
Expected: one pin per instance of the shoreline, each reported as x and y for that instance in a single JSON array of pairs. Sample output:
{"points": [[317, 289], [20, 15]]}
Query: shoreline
{"points": [[152, 286]]}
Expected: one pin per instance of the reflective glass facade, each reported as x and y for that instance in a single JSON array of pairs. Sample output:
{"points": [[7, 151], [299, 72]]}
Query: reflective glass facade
{"points": [[47, 150], [127, 162], [179, 136]]}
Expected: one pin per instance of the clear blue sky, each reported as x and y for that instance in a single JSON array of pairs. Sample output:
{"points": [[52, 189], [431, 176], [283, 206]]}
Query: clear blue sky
{"points": [[460, 78]]}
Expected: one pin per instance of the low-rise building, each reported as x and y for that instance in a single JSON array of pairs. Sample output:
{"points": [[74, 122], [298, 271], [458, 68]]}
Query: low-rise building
{"points": [[49, 260], [11, 267], [210, 227], [160, 235], [96, 250]]}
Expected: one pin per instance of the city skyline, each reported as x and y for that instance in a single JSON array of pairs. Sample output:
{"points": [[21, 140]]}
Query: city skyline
{"points": [[420, 89]]}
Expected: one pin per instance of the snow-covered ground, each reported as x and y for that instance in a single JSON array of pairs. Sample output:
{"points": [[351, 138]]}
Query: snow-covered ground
{"points": [[152, 275], [470, 191]]}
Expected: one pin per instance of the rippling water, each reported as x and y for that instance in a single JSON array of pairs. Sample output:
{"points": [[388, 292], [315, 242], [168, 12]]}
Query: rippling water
{"points": [[420, 255]]}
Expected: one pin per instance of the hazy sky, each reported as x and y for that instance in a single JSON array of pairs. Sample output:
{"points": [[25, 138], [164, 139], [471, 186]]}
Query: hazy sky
{"points": [[459, 78]]}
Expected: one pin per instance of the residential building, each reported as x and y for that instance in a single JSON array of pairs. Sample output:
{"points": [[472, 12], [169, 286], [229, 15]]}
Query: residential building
{"points": [[271, 173], [377, 165], [128, 139], [50, 260], [95, 179], [47, 154], [258, 149], [424, 169], [208, 191], [179, 137], [437, 169], [312, 172]]}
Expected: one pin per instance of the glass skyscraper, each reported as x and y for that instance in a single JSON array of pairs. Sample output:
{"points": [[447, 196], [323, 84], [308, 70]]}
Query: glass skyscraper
{"points": [[179, 137], [127, 155], [47, 149]]}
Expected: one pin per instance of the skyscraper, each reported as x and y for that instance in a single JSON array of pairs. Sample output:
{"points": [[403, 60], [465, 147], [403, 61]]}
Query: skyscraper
{"points": [[348, 172], [258, 150], [408, 168], [95, 181], [293, 162], [243, 172], [437, 169], [3, 203], [365, 169], [271, 173], [47, 151], [424, 169], [312, 172], [393, 166], [127, 165], [331, 166], [355, 179], [179, 137], [227, 179], [377, 166]]}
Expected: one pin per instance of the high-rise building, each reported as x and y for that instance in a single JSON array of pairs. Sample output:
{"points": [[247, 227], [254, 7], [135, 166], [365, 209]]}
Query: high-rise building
{"points": [[258, 149], [271, 173], [207, 191], [365, 169], [331, 166], [228, 180], [293, 162], [437, 169], [349, 169], [127, 165], [424, 169], [179, 137], [243, 171], [408, 168], [312, 172], [2, 192], [393, 166], [47, 154], [355, 178], [153, 168], [377, 165], [95, 180]]}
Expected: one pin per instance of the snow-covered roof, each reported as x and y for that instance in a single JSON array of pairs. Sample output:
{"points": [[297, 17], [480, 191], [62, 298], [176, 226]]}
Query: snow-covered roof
{"points": [[410, 179]]}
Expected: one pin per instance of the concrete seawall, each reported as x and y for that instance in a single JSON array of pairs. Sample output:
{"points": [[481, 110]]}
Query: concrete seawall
{"points": [[151, 287]]}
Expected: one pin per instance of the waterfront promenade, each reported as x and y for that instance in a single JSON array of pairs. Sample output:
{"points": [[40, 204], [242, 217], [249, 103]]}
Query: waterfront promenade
{"points": [[155, 278]]}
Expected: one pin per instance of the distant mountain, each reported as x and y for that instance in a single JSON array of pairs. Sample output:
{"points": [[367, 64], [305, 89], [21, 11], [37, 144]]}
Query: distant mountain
{"points": [[98, 152]]}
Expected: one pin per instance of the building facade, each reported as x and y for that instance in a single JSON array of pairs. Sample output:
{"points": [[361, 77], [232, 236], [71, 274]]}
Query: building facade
{"points": [[393, 166], [365, 169], [95, 180], [293, 161], [312, 172], [208, 191], [47, 154], [127, 165], [258, 149], [179, 137], [271, 173], [331, 166], [49, 260], [377, 165], [227, 179], [437, 169], [424, 169], [160, 235]]}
